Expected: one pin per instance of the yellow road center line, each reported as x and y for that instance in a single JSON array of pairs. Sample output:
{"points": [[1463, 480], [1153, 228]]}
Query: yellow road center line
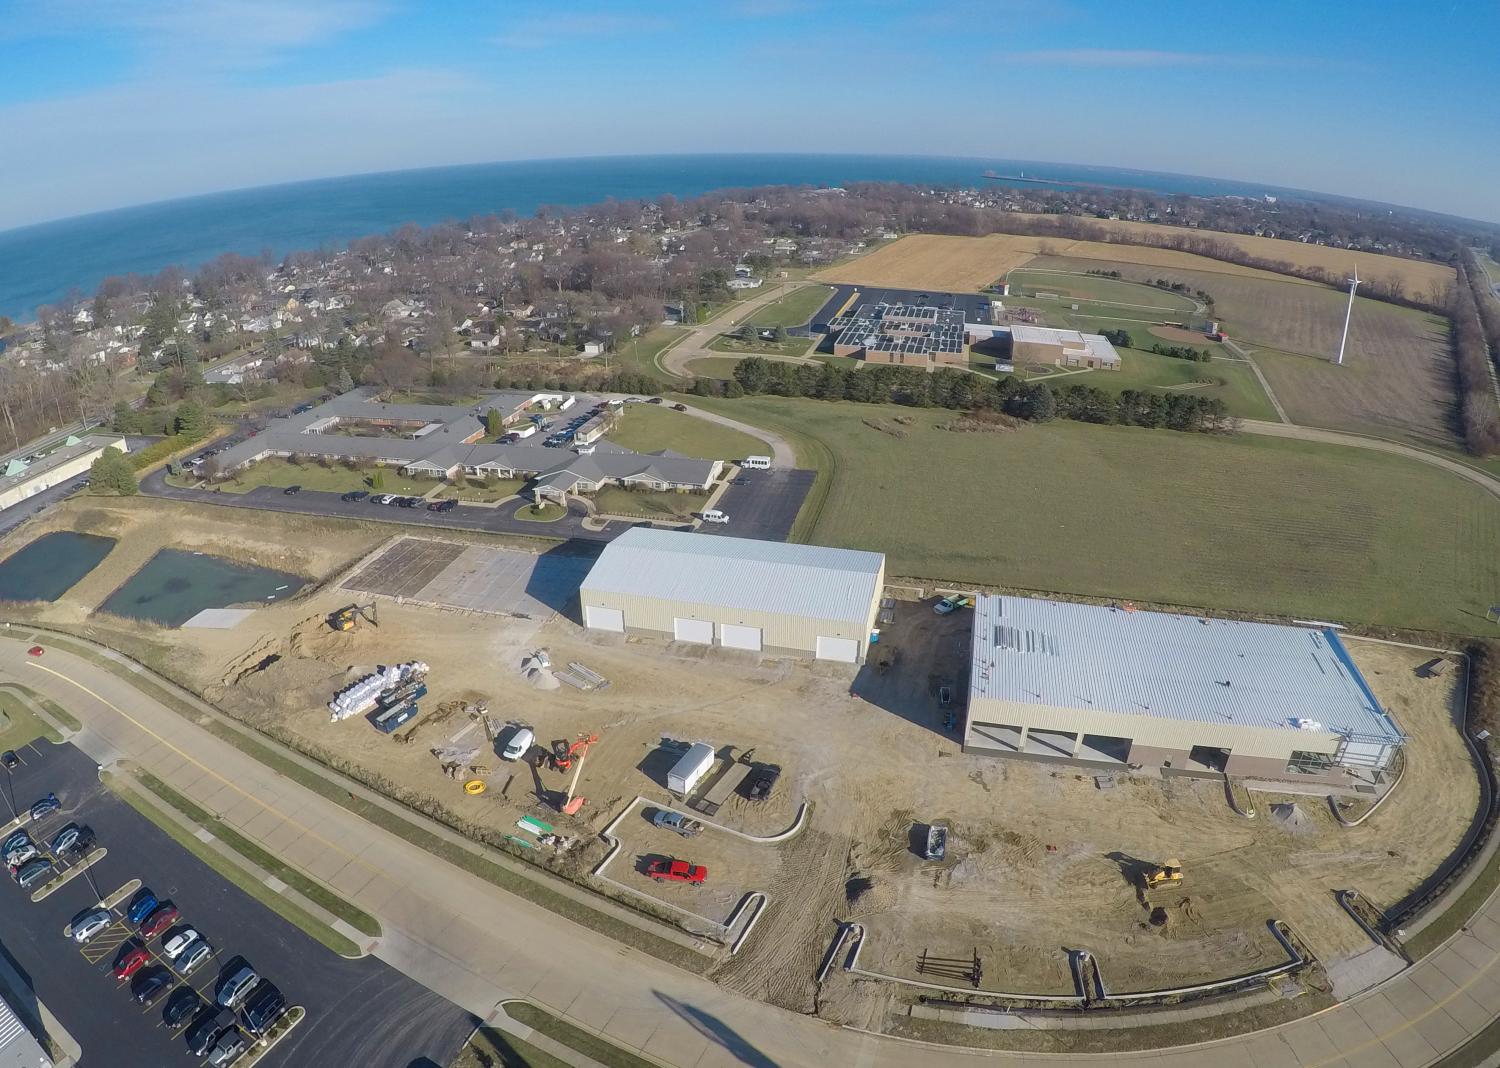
{"points": [[210, 771]]}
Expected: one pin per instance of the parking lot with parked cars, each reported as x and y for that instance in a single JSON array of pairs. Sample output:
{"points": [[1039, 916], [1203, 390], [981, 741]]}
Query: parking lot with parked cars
{"points": [[149, 958]]}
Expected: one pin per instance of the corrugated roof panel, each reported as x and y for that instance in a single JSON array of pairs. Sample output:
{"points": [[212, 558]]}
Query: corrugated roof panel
{"points": [[1170, 666], [760, 576]]}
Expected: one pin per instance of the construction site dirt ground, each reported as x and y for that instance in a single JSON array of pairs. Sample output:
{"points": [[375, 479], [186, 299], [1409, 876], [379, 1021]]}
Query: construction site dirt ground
{"points": [[1037, 856]]}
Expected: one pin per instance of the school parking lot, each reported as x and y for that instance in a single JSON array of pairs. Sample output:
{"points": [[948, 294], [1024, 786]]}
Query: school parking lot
{"points": [[358, 1012], [847, 298]]}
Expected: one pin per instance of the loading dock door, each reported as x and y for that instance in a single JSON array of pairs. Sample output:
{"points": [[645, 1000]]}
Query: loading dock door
{"points": [[596, 618], [693, 630], [845, 650], [734, 636]]}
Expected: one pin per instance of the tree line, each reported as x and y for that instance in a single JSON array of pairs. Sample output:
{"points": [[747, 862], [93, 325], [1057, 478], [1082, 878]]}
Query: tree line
{"points": [[1476, 342], [960, 390]]}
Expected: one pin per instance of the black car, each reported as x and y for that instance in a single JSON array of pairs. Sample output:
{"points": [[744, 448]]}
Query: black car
{"points": [[442, 506], [761, 782], [409, 502], [150, 985], [206, 1031], [9, 759], [354, 495], [182, 1006], [264, 1006], [292, 490]]}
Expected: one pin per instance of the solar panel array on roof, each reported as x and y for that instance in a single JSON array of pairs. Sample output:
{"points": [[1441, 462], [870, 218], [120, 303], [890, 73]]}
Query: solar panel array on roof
{"points": [[1222, 671], [911, 329]]}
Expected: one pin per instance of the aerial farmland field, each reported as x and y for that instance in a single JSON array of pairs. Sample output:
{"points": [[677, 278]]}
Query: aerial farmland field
{"points": [[1242, 523], [1397, 379]]}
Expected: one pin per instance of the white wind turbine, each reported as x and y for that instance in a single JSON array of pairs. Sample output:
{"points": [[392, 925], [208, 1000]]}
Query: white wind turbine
{"points": [[1349, 311]]}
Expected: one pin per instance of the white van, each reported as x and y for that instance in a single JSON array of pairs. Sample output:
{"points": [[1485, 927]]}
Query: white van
{"points": [[756, 463], [713, 515], [519, 744]]}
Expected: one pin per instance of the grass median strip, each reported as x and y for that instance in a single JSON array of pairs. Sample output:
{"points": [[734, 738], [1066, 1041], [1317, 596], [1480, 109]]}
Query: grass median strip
{"points": [[49, 706], [361, 921], [494, 1049], [1456, 913], [575, 1038], [247, 882]]}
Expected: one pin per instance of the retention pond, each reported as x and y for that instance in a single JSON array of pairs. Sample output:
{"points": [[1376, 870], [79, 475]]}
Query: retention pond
{"points": [[50, 566], [175, 586]]}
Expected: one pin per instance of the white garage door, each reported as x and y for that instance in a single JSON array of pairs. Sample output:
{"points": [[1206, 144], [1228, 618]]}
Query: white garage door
{"points": [[596, 618], [693, 630], [734, 636], [844, 649]]}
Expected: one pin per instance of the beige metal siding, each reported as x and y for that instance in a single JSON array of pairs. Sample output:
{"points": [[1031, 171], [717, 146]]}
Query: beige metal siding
{"points": [[777, 631], [1157, 732]]}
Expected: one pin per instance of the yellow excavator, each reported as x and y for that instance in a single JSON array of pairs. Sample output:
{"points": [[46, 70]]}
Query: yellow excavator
{"points": [[1166, 877], [348, 617]]}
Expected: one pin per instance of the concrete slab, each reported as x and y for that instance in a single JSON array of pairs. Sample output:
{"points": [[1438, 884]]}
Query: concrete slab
{"points": [[631, 1029], [1434, 983], [1271, 1051], [557, 991], [677, 1045], [1310, 1044], [220, 618], [1468, 1012]]}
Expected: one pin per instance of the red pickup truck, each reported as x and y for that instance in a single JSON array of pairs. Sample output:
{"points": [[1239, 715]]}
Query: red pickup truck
{"points": [[665, 870]]}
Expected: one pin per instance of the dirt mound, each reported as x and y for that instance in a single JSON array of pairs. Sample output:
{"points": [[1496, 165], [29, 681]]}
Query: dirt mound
{"points": [[1291, 817], [1180, 335]]}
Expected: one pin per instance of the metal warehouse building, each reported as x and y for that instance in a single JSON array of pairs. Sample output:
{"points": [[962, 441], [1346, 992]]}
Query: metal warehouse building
{"points": [[767, 596], [1112, 686]]}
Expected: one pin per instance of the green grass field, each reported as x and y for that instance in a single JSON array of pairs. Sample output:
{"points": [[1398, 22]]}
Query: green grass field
{"points": [[19, 725], [1087, 287], [639, 353], [713, 367], [794, 309], [497, 489], [792, 346], [650, 427], [1236, 523], [335, 478], [616, 500]]}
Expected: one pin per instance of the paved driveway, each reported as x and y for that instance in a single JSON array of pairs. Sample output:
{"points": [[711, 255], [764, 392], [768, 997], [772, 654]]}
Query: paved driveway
{"points": [[359, 1013], [765, 507]]}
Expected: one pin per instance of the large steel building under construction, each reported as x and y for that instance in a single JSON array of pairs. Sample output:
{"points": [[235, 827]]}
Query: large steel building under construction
{"points": [[1116, 687]]}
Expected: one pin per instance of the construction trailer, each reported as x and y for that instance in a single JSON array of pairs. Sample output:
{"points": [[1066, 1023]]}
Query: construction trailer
{"points": [[690, 768]]}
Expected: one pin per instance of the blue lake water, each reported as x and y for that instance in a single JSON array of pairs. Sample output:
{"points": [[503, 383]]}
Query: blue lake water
{"points": [[174, 586], [50, 566], [41, 263]]}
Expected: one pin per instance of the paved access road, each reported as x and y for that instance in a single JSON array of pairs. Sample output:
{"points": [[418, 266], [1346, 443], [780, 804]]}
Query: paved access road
{"points": [[477, 945], [360, 1012]]}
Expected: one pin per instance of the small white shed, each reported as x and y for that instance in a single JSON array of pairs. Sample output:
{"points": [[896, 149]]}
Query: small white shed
{"points": [[693, 765]]}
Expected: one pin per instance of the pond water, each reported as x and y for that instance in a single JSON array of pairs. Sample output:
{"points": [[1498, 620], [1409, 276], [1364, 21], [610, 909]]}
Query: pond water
{"points": [[175, 586], [50, 566]]}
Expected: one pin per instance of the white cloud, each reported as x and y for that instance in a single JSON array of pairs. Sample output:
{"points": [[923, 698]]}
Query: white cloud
{"points": [[542, 31], [1138, 57], [212, 34]]}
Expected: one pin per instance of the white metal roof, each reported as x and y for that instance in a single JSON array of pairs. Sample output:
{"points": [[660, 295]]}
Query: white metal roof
{"points": [[1219, 671], [759, 576]]}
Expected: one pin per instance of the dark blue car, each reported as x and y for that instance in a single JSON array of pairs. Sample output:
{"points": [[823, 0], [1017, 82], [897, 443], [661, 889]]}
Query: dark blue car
{"points": [[141, 906]]}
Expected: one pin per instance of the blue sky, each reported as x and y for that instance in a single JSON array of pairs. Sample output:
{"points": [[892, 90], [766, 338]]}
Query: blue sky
{"points": [[105, 103]]}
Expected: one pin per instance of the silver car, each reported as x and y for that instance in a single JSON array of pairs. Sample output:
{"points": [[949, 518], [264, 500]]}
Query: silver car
{"points": [[21, 854], [193, 956], [91, 923], [233, 990]]}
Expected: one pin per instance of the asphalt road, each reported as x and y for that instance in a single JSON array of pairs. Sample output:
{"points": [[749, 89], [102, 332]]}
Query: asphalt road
{"points": [[968, 302], [765, 507], [359, 1013]]}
